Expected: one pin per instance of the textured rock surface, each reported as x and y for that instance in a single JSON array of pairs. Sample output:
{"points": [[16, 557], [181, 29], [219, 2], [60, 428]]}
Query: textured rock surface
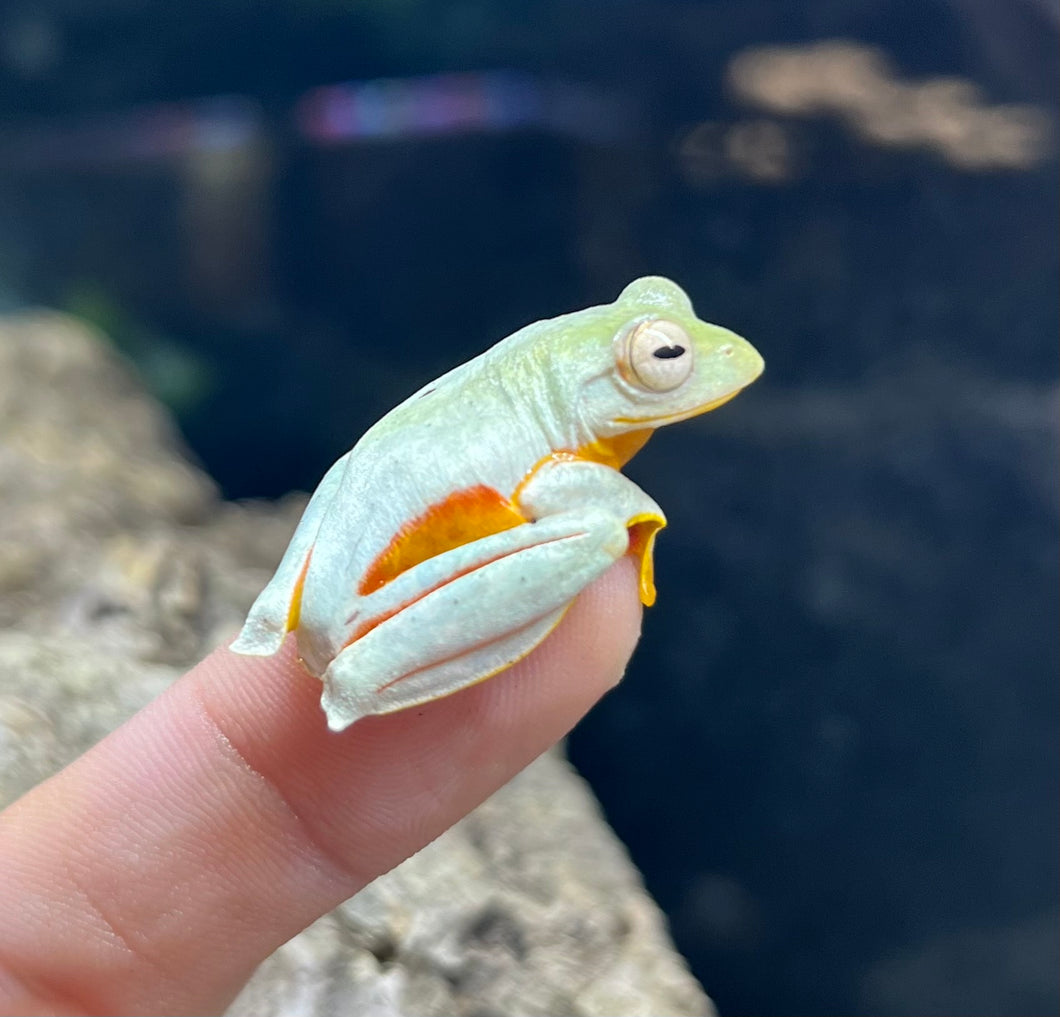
{"points": [[118, 567]]}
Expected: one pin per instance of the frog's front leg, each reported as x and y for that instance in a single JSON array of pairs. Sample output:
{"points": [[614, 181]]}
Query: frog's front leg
{"points": [[475, 610]]}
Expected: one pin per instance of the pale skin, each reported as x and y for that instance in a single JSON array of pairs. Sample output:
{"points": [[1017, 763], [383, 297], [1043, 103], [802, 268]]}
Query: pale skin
{"points": [[156, 872]]}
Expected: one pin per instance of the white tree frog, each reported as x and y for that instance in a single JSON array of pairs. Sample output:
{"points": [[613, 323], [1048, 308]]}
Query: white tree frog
{"points": [[455, 534]]}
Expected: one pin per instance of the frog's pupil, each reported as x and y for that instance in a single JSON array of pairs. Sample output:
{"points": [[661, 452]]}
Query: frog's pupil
{"points": [[668, 352]]}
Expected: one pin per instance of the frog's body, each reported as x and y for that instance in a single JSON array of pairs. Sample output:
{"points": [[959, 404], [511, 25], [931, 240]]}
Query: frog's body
{"points": [[451, 539]]}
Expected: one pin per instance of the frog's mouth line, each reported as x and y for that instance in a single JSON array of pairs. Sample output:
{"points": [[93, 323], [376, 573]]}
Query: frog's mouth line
{"points": [[673, 418]]}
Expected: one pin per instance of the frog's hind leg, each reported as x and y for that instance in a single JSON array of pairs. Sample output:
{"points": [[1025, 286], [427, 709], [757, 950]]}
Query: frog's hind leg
{"points": [[275, 612], [487, 604], [467, 613], [345, 701]]}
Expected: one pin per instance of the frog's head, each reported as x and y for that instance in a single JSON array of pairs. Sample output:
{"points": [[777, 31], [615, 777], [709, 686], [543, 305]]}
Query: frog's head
{"points": [[656, 363]]}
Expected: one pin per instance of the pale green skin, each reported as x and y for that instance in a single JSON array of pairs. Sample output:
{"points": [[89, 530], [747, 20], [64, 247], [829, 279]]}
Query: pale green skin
{"points": [[497, 420]]}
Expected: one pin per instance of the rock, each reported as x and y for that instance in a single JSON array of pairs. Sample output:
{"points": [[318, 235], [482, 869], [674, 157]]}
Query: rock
{"points": [[86, 458], [120, 567], [58, 697], [492, 918]]}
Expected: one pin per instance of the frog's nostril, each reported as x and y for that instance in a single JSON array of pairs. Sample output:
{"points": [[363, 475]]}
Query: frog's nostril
{"points": [[726, 351]]}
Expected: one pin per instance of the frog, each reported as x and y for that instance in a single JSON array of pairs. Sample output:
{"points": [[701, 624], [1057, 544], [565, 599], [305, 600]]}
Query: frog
{"points": [[453, 537]]}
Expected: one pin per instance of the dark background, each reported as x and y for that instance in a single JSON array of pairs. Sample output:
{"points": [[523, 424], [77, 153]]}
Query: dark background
{"points": [[835, 755]]}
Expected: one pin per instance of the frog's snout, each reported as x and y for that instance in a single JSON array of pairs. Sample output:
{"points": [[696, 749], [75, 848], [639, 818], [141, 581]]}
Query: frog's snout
{"points": [[755, 363], [742, 362]]}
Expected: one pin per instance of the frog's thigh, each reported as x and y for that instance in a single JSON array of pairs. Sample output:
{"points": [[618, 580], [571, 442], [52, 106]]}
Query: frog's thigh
{"points": [[479, 621]]}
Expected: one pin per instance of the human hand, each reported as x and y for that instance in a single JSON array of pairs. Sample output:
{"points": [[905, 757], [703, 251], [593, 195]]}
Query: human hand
{"points": [[156, 872]]}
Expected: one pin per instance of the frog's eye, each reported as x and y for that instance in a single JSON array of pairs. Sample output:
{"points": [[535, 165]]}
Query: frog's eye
{"points": [[655, 355]]}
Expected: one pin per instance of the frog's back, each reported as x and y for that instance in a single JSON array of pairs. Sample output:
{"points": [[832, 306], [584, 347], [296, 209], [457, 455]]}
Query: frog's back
{"points": [[471, 426]]}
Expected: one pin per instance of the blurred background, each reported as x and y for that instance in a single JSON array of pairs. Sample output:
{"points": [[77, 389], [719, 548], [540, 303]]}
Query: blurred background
{"points": [[835, 756]]}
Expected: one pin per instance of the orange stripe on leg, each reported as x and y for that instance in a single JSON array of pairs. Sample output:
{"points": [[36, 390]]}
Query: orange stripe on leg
{"points": [[465, 516]]}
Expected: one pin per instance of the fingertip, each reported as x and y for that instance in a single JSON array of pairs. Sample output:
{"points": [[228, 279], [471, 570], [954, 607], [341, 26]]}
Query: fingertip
{"points": [[615, 605], [603, 626]]}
